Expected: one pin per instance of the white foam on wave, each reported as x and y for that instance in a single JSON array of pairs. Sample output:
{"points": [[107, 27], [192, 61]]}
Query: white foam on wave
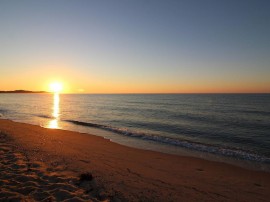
{"points": [[224, 151]]}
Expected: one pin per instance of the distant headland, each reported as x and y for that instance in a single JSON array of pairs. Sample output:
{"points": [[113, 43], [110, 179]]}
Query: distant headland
{"points": [[23, 91]]}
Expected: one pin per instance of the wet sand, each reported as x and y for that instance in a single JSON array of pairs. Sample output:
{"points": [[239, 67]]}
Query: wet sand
{"points": [[54, 165]]}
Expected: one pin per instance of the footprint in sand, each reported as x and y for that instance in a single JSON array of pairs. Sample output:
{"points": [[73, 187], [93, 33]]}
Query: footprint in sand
{"points": [[22, 180]]}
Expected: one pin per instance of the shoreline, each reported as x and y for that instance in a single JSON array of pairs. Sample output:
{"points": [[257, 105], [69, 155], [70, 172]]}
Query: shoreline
{"points": [[128, 174], [149, 145]]}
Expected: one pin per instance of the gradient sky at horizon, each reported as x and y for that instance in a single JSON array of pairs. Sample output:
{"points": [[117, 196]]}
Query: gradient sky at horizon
{"points": [[137, 46]]}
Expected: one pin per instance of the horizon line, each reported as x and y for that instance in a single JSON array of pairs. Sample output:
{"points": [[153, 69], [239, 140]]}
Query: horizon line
{"points": [[48, 92]]}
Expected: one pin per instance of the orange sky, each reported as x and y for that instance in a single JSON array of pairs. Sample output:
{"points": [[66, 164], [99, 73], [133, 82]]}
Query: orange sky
{"points": [[74, 82]]}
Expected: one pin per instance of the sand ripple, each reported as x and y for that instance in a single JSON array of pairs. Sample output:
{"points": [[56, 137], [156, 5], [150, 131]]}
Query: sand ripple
{"points": [[23, 180]]}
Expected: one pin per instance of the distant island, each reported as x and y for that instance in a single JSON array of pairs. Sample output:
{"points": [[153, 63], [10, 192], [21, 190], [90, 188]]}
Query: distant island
{"points": [[23, 91]]}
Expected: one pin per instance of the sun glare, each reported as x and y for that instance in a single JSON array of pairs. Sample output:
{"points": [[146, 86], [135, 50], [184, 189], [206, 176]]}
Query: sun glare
{"points": [[56, 87]]}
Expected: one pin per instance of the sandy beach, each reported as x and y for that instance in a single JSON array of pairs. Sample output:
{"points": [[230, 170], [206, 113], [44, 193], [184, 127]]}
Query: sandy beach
{"points": [[39, 164]]}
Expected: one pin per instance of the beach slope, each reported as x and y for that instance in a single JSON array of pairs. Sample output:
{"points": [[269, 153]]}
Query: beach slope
{"points": [[38, 164]]}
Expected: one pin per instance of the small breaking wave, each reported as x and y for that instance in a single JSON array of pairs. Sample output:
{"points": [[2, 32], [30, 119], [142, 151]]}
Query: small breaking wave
{"points": [[224, 151], [3, 112], [44, 116]]}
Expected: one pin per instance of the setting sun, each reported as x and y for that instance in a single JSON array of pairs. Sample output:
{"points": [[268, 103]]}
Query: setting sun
{"points": [[56, 87]]}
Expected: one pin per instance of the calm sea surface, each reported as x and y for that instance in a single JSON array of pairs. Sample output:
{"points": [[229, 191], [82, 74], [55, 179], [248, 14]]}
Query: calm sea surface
{"points": [[234, 126]]}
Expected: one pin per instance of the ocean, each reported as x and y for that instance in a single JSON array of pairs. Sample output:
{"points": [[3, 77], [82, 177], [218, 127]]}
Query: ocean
{"points": [[224, 127]]}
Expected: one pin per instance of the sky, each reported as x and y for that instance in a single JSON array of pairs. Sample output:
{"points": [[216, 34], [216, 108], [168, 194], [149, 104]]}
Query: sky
{"points": [[125, 46]]}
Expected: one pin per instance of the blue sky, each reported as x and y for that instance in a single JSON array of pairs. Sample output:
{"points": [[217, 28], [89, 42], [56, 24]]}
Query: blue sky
{"points": [[136, 46]]}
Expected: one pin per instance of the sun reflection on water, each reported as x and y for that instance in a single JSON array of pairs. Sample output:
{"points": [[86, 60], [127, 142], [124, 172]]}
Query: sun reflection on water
{"points": [[55, 114]]}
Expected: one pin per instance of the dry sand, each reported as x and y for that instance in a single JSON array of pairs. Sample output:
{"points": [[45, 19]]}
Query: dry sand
{"points": [[44, 164]]}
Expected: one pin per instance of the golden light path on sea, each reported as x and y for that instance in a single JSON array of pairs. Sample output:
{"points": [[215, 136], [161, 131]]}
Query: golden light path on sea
{"points": [[53, 124]]}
